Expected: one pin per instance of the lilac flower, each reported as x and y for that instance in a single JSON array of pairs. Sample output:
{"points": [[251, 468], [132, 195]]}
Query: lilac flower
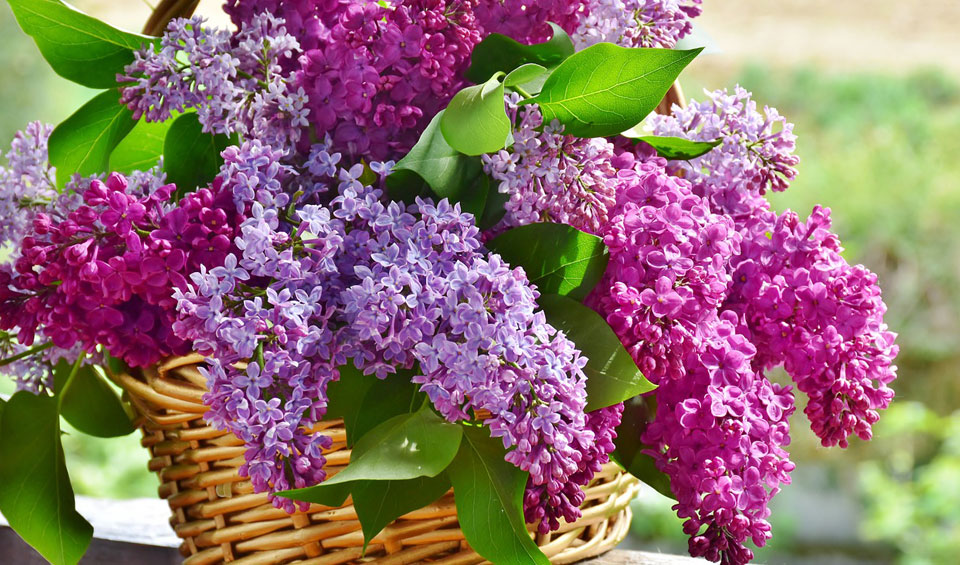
{"points": [[636, 23]]}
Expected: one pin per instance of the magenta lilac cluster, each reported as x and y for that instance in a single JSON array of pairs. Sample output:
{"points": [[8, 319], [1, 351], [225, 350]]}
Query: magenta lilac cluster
{"points": [[708, 288], [103, 273]]}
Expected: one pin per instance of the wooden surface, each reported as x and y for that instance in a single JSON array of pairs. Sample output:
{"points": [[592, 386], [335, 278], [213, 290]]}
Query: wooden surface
{"points": [[136, 532]]}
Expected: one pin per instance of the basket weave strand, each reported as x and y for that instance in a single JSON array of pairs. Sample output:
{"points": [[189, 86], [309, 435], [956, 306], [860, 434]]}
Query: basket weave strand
{"points": [[221, 519]]}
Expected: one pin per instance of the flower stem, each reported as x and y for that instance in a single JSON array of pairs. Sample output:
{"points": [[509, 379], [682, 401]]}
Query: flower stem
{"points": [[27, 353]]}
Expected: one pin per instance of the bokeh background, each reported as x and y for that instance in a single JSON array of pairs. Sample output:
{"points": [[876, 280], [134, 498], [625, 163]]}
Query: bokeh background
{"points": [[873, 87]]}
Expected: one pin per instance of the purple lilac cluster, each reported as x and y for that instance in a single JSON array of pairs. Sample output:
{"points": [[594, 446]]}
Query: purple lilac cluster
{"points": [[636, 23], [234, 81], [552, 177], [375, 73], [707, 288], [102, 272], [27, 184], [429, 297], [720, 427], [386, 286]]}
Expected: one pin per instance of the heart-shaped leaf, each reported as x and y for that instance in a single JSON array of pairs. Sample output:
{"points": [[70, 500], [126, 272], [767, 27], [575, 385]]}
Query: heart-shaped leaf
{"points": [[404, 447], [36, 497], [83, 142], [638, 412], [499, 53], [364, 401], [612, 375], [557, 258], [448, 172], [475, 121], [89, 403], [191, 158], [524, 74], [78, 47], [380, 502], [606, 89], [678, 148], [489, 498], [141, 149]]}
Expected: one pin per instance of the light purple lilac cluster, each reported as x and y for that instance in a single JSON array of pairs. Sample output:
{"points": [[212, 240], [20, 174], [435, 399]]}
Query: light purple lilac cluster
{"points": [[636, 23], [552, 177], [386, 287], [234, 81], [27, 185], [101, 271]]}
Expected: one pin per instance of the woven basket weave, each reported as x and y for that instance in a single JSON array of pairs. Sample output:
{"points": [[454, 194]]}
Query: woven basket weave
{"points": [[221, 519]]}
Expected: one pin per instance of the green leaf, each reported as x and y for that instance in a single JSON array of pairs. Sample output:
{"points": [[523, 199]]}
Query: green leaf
{"points": [[328, 495], [638, 412], [448, 173], [475, 121], [3, 404], [489, 498], [345, 395], [524, 74], [384, 399], [191, 158], [678, 148], [83, 142], [404, 447], [559, 259], [494, 209], [606, 89], [141, 149], [612, 376], [380, 502], [36, 497], [89, 403], [77, 46], [499, 53]]}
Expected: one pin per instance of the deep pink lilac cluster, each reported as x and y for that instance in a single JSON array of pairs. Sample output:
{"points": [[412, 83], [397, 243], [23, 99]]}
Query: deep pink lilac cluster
{"points": [[103, 272], [376, 73]]}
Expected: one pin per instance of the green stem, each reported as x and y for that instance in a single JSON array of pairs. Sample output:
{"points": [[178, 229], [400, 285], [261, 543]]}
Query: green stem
{"points": [[522, 92], [27, 353], [73, 372]]}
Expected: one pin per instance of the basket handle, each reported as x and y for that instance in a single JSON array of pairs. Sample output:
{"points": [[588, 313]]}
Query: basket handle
{"points": [[168, 10]]}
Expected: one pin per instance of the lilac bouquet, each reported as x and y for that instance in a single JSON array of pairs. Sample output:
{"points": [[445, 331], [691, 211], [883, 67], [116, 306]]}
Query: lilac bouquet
{"points": [[433, 213]]}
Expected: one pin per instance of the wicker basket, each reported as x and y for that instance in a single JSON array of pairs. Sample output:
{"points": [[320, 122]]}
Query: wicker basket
{"points": [[221, 519]]}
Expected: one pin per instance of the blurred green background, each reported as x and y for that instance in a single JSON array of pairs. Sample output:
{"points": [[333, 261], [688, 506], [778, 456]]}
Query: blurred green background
{"points": [[875, 96]]}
